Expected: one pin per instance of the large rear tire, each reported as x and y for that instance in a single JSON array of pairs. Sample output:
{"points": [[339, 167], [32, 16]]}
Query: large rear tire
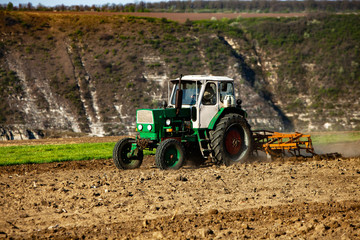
{"points": [[170, 154], [121, 158], [231, 140]]}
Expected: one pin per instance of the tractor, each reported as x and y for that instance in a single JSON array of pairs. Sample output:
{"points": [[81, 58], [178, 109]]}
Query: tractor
{"points": [[202, 119]]}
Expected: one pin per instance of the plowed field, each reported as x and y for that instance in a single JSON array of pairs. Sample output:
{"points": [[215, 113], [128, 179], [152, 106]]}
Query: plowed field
{"points": [[282, 199], [182, 17]]}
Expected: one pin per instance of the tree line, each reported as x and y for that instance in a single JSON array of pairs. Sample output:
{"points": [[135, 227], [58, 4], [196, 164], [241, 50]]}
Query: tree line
{"points": [[202, 6]]}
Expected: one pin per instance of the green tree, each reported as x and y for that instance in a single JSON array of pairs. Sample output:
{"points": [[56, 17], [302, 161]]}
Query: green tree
{"points": [[10, 6]]}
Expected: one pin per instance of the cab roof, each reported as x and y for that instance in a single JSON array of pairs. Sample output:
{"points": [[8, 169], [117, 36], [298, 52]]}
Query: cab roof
{"points": [[204, 78]]}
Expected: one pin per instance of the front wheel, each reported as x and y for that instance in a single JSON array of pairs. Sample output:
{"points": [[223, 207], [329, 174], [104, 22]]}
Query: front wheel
{"points": [[170, 154], [231, 140], [123, 158]]}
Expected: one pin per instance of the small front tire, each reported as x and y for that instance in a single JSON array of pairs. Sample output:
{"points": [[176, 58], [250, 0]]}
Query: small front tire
{"points": [[170, 154], [121, 158]]}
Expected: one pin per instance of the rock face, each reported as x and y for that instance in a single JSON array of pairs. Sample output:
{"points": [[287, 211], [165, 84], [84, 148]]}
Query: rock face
{"points": [[19, 133], [88, 74]]}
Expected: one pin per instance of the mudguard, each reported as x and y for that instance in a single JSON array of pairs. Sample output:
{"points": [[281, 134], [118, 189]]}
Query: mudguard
{"points": [[224, 111]]}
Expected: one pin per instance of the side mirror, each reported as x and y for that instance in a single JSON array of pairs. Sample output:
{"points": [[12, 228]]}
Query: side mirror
{"points": [[164, 104], [238, 102]]}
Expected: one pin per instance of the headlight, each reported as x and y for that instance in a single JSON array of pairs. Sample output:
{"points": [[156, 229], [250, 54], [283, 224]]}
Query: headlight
{"points": [[149, 127], [168, 122], [140, 127]]}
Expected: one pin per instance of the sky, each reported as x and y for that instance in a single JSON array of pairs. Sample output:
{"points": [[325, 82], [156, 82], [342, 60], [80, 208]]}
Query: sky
{"points": [[51, 3]]}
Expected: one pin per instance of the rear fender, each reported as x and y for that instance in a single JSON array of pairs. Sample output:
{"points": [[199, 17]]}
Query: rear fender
{"points": [[222, 112]]}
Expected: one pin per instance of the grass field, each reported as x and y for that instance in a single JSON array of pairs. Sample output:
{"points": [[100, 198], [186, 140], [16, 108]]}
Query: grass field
{"points": [[334, 137], [12, 155], [51, 153], [56, 153]]}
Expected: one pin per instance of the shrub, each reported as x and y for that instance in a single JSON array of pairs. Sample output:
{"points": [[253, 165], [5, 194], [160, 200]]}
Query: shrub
{"points": [[170, 38], [28, 50], [106, 37], [129, 85], [154, 65]]}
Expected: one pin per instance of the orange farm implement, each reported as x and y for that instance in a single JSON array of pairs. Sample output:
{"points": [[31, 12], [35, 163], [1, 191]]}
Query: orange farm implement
{"points": [[277, 144]]}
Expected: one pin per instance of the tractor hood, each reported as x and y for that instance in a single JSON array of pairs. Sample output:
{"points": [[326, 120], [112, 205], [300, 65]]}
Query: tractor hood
{"points": [[151, 123]]}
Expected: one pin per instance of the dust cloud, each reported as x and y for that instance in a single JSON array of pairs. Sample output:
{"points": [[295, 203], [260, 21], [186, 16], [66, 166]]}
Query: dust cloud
{"points": [[350, 149]]}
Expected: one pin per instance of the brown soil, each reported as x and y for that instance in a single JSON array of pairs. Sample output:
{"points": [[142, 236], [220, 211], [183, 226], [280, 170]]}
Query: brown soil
{"points": [[92, 199], [181, 17]]}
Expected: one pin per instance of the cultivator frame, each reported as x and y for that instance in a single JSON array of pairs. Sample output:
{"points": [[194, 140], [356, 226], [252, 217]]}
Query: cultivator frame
{"points": [[277, 144]]}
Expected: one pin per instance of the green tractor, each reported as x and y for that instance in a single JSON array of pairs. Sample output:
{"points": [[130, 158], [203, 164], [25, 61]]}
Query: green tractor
{"points": [[202, 119]]}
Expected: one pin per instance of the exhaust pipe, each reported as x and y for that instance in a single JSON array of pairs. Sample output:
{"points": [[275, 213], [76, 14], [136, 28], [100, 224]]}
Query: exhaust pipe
{"points": [[178, 97]]}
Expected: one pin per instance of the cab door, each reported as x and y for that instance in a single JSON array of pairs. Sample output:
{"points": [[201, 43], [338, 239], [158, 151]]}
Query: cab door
{"points": [[209, 104]]}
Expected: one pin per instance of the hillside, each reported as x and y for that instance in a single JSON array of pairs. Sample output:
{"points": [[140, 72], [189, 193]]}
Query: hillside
{"points": [[89, 73]]}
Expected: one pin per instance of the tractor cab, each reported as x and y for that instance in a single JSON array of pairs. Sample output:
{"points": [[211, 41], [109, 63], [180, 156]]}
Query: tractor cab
{"points": [[205, 95]]}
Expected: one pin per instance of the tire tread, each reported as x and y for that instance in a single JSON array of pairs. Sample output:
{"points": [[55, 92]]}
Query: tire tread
{"points": [[217, 138], [117, 155], [160, 152]]}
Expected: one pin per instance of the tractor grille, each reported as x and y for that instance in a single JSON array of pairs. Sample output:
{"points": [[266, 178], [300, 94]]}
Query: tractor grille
{"points": [[145, 116]]}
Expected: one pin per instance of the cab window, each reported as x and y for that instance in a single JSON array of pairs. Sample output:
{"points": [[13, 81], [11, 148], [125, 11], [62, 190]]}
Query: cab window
{"points": [[190, 92], [209, 97], [226, 88]]}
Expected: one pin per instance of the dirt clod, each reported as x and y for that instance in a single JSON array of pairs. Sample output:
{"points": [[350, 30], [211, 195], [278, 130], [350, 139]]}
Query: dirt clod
{"points": [[213, 211]]}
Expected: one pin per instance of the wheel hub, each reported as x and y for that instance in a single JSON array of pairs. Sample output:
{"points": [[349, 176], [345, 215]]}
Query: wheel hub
{"points": [[171, 156], [233, 141]]}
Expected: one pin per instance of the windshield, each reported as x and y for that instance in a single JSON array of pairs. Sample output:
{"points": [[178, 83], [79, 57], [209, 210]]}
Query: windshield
{"points": [[190, 92]]}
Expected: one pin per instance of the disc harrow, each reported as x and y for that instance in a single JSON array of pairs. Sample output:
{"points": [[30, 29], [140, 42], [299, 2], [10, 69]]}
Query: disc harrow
{"points": [[277, 144]]}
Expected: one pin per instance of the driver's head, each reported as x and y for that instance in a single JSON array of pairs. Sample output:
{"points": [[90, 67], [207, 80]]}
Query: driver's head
{"points": [[209, 93]]}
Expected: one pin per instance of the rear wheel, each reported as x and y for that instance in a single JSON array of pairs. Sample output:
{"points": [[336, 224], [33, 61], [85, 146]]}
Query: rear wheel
{"points": [[170, 154], [231, 140], [122, 155]]}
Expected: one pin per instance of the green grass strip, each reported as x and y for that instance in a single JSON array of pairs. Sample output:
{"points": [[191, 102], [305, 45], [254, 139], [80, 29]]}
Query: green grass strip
{"points": [[57, 153], [87, 151], [339, 137]]}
